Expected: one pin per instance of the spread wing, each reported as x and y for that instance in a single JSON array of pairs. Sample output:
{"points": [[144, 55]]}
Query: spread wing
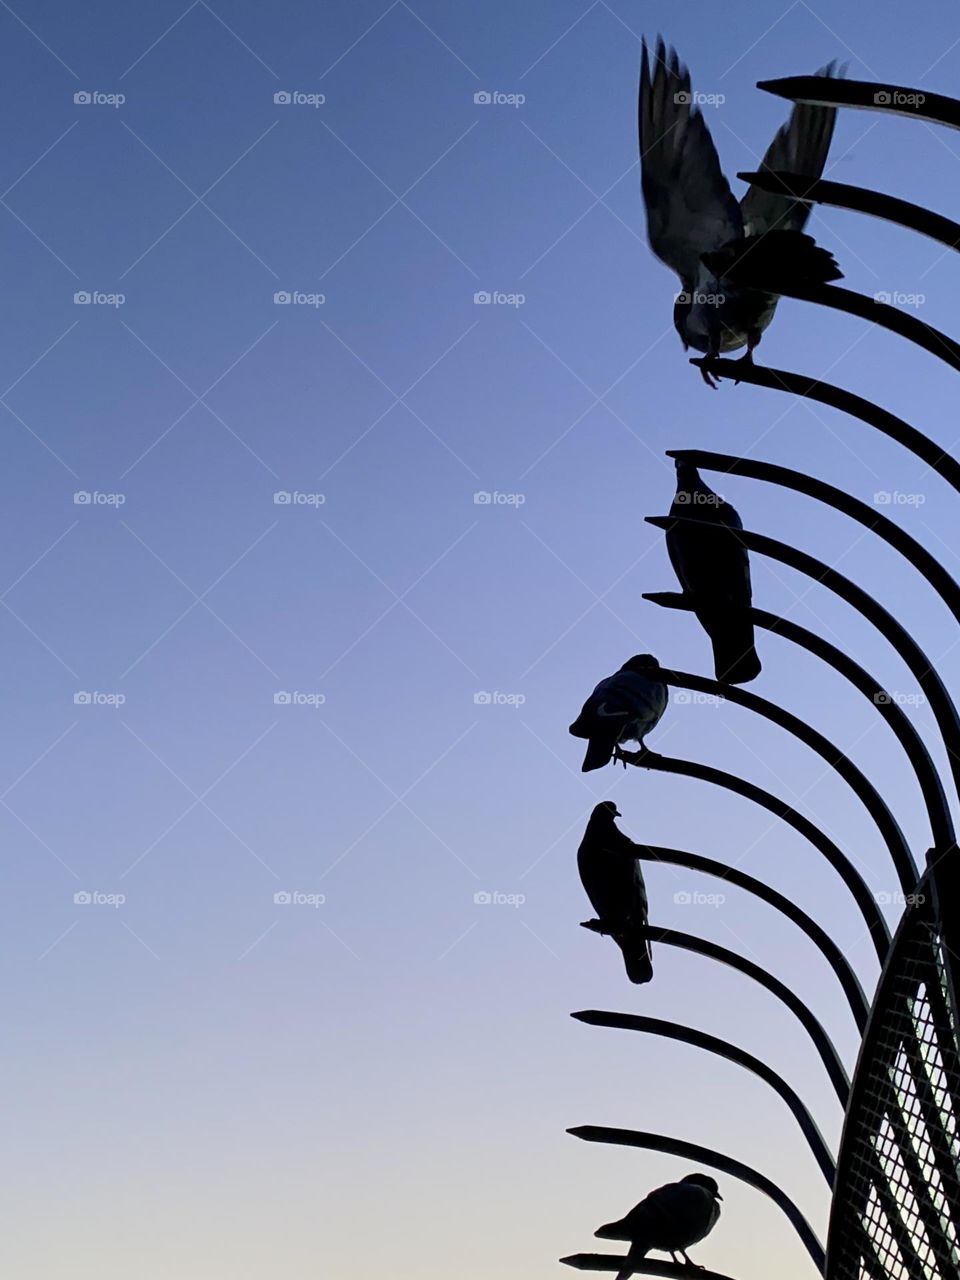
{"points": [[799, 146], [690, 208]]}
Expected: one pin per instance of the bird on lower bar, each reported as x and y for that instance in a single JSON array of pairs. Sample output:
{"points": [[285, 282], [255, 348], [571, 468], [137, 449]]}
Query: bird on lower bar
{"points": [[610, 873], [714, 571], [670, 1219], [696, 226], [622, 708]]}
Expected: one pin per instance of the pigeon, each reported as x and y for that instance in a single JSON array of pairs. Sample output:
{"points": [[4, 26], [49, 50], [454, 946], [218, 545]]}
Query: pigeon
{"points": [[622, 708], [610, 872], [714, 571], [696, 226], [670, 1219]]}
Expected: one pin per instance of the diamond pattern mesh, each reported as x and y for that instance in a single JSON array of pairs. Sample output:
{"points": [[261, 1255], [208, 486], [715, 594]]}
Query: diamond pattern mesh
{"points": [[896, 1211]]}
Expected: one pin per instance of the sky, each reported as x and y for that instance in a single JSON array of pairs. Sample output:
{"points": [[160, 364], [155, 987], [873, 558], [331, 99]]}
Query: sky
{"points": [[309, 557]]}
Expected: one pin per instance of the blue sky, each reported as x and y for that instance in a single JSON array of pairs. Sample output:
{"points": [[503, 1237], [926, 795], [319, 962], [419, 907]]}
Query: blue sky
{"points": [[377, 1074]]}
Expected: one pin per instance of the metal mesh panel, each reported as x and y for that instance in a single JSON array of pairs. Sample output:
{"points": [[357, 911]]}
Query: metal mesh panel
{"points": [[896, 1210]]}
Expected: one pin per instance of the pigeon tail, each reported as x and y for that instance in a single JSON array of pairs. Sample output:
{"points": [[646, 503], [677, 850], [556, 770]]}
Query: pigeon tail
{"points": [[638, 963], [599, 751], [735, 659], [790, 259]]}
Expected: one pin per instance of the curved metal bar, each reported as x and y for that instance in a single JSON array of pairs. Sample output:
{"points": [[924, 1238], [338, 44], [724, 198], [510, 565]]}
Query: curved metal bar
{"points": [[938, 812], [818, 935], [723, 1049], [642, 1266], [802, 1012], [858, 200], [866, 792], [833, 91], [647, 1141], [922, 560], [798, 384], [852, 303], [922, 668], [876, 925]]}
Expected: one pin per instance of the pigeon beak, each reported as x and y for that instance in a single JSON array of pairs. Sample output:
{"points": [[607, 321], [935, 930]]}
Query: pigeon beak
{"points": [[719, 1196]]}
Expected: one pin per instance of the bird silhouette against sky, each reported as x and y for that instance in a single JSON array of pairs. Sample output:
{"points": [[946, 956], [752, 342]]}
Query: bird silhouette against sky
{"points": [[696, 226], [670, 1219], [714, 571], [612, 876], [622, 708]]}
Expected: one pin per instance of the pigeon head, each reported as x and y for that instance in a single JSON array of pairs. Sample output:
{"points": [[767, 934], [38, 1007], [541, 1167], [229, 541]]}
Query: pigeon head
{"points": [[705, 1182], [607, 809], [688, 477], [641, 663]]}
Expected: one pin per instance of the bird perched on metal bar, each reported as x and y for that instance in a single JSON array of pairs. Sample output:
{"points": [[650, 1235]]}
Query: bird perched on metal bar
{"points": [[611, 874], [696, 226], [714, 571], [622, 708], [670, 1219]]}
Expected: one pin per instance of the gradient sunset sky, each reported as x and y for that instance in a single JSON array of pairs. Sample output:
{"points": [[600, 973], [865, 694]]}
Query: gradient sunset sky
{"points": [[257, 1021]]}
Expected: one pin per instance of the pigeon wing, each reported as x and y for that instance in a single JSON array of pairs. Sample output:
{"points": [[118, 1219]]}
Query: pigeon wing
{"points": [[799, 146], [690, 207]]}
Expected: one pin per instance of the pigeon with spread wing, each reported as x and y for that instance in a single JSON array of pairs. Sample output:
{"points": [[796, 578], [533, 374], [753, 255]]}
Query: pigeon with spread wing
{"points": [[696, 226]]}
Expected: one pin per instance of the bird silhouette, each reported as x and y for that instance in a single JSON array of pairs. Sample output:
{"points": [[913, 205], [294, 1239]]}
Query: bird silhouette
{"points": [[696, 226], [622, 708], [611, 874], [714, 571], [670, 1219]]}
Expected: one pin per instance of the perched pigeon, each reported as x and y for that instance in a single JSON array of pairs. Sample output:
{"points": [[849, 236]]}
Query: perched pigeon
{"points": [[622, 708], [610, 872], [670, 1219], [695, 225], [714, 571]]}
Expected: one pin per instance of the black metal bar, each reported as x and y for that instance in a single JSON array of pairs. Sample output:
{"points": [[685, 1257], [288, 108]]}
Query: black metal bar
{"points": [[811, 1024], [647, 1141], [641, 1266], [922, 560], [865, 791], [819, 936], [937, 458], [922, 668], [723, 1049], [832, 91], [938, 812], [852, 303], [876, 925], [859, 200]]}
